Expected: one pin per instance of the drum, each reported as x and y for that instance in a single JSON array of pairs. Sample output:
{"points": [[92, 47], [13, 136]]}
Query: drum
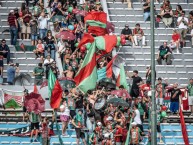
{"points": [[100, 104]]}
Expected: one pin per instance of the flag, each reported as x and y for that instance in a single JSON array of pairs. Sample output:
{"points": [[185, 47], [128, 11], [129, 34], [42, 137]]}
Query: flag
{"points": [[183, 126], [35, 89], [17, 99], [12, 104], [87, 38], [44, 84], [121, 79], [106, 43], [97, 22], [54, 90], [86, 77], [107, 71]]}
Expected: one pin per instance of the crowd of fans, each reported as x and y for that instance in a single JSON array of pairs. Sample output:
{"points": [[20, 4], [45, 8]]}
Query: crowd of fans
{"points": [[110, 124]]}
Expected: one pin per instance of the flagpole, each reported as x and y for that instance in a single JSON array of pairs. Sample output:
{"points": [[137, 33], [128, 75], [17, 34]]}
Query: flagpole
{"points": [[153, 108]]}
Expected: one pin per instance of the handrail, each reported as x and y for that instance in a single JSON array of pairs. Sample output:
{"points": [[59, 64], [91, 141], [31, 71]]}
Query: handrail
{"points": [[105, 9]]}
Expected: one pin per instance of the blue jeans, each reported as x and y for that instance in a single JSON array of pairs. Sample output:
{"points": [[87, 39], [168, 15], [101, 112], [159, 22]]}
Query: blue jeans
{"points": [[14, 33], [43, 33], [174, 107], [51, 47], [146, 15]]}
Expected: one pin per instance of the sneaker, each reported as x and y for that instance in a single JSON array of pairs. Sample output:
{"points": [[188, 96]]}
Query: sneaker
{"points": [[31, 140], [35, 140], [161, 141]]}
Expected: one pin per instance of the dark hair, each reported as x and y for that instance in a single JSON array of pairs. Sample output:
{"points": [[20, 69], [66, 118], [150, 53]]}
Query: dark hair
{"points": [[121, 87], [135, 71], [136, 106], [80, 110], [3, 40], [89, 92], [40, 64], [184, 12], [179, 7], [137, 24]]}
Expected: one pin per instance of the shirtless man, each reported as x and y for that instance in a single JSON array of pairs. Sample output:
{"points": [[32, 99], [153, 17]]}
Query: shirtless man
{"points": [[69, 73]]}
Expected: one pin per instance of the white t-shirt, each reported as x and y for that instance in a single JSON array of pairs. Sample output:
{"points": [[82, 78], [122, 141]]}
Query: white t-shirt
{"points": [[66, 111], [43, 22], [137, 118], [182, 26]]}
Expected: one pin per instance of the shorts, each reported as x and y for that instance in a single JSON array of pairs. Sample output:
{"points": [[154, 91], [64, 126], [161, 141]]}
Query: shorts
{"points": [[159, 101], [26, 29], [174, 107], [35, 126], [79, 133], [134, 93], [64, 118], [34, 37], [1, 63], [190, 100], [158, 128]]}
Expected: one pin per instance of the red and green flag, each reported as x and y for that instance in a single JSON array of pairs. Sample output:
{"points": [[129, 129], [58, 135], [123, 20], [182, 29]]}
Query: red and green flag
{"points": [[97, 22], [121, 78], [86, 77], [54, 90], [87, 38], [106, 43], [12, 104]]}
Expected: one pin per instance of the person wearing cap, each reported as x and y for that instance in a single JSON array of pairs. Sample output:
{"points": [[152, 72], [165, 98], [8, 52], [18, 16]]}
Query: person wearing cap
{"points": [[160, 91], [175, 96], [164, 53], [13, 26], [190, 95], [34, 32], [138, 35], [77, 121], [128, 34], [135, 134], [27, 16]]}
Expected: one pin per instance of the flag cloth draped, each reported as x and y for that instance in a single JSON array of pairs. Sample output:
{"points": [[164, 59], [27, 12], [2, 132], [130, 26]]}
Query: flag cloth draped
{"points": [[106, 43], [12, 104], [183, 126], [87, 38], [12, 101], [97, 23], [54, 90], [121, 80], [107, 71], [86, 77]]}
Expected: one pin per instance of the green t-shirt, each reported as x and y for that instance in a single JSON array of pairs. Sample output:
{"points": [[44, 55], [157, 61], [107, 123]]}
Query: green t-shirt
{"points": [[190, 90], [37, 10], [34, 118], [140, 108], [78, 119], [39, 70]]}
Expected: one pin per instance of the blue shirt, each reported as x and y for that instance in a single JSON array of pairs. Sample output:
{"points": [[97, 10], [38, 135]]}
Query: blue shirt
{"points": [[10, 74]]}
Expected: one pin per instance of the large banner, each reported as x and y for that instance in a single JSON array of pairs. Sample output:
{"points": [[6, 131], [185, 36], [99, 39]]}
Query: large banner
{"points": [[11, 99]]}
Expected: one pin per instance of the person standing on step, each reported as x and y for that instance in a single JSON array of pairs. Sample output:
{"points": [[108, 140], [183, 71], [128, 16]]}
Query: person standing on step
{"points": [[164, 53], [146, 10], [160, 91], [13, 26], [11, 70], [128, 34], [137, 81], [183, 27], [35, 120], [27, 17], [175, 96], [190, 95], [78, 123], [43, 25]]}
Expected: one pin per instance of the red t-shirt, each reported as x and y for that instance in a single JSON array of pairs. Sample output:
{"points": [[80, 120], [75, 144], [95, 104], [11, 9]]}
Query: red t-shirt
{"points": [[175, 37], [118, 131]]}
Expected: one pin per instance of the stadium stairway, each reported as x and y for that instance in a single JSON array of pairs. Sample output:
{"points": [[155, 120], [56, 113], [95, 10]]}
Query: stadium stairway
{"points": [[171, 133], [139, 57]]}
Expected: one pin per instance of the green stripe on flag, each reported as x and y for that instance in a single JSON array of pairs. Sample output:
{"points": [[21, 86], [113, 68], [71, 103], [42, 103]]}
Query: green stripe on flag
{"points": [[96, 23], [100, 42], [123, 80], [90, 82], [51, 82], [88, 56], [12, 104]]}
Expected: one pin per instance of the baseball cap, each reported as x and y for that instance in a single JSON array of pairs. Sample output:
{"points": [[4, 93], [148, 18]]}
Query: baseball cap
{"points": [[159, 78], [133, 123], [11, 11], [126, 25]]}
